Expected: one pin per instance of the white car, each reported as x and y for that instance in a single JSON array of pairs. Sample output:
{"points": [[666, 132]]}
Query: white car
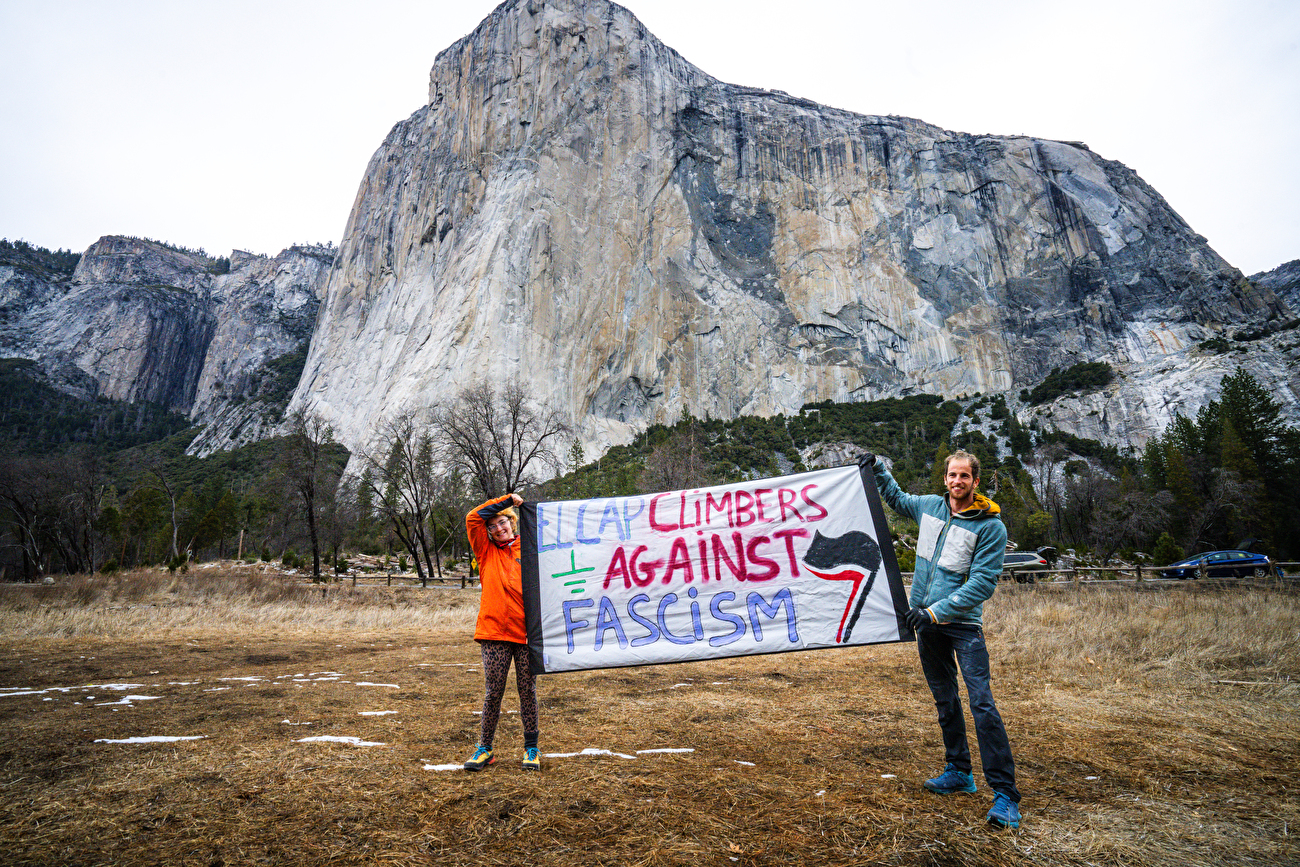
{"points": [[1016, 563]]}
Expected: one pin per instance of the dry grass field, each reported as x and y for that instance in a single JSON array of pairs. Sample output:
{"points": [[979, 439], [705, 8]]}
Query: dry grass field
{"points": [[1152, 728]]}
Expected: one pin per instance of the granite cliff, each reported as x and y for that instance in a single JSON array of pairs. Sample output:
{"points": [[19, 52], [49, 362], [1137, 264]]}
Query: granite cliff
{"points": [[1283, 281], [140, 320], [580, 205]]}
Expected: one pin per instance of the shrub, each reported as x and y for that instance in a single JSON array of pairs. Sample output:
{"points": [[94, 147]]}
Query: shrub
{"points": [[1166, 551], [1086, 376], [1037, 526], [109, 567], [906, 559]]}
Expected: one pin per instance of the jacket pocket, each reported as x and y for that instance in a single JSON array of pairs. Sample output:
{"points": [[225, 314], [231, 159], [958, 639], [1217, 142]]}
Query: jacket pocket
{"points": [[958, 549], [927, 537]]}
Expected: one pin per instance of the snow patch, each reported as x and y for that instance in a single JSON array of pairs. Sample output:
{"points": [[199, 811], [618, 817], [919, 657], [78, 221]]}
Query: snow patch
{"points": [[127, 700], [340, 739], [589, 751], [151, 739]]}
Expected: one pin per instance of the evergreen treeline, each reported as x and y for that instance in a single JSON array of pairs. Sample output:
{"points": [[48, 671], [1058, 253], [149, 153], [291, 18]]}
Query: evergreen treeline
{"points": [[37, 419], [32, 257], [1231, 474], [1085, 376], [79, 500]]}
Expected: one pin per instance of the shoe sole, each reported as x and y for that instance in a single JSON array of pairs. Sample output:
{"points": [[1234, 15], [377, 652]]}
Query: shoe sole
{"points": [[473, 767], [532, 767], [1003, 826], [969, 791]]}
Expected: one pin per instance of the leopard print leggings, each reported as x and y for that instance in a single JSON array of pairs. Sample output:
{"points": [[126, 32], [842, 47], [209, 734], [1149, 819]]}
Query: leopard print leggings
{"points": [[496, 666]]}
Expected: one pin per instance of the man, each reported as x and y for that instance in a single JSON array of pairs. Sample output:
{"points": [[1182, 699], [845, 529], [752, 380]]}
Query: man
{"points": [[958, 557]]}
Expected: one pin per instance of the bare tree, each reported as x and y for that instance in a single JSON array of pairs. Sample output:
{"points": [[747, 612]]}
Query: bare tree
{"points": [[1230, 500], [1133, 517], [81, 489], [24, 505], [399, 482], [500, 438], [677, 463], [306, 464], [167, 489], [451, 501], [342, 513], [1047, 485], [51, 506]]}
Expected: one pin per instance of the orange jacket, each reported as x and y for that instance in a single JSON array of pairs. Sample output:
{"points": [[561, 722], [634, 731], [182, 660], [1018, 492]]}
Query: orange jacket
{"points": [[501, 603]]}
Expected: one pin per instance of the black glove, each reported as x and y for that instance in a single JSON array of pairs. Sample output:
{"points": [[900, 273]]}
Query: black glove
{"points": [[917, 618], [867, 461]]}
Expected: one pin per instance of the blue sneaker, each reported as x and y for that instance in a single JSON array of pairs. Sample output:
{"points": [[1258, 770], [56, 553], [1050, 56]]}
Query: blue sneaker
{"points": [[481, 759], [1005, 812], [950, 782]]}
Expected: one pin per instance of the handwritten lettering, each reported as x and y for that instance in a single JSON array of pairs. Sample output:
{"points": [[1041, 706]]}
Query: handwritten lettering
{"points": [[722, 627], [753, 560]]}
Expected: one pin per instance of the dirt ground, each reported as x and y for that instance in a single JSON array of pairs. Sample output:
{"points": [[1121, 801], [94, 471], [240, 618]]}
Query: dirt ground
{"points": [[806, 758]]}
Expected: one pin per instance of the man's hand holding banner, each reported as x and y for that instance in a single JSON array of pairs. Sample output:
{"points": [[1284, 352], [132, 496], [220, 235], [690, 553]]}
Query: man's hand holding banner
{"points": [[792, 563]]}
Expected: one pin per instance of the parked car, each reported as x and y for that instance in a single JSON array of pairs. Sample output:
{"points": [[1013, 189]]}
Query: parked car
{"points": [[1016, 563], [1220, 564]]}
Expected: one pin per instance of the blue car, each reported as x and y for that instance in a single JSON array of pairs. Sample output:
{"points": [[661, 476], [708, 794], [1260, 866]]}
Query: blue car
{"points": [[1220, 564]]}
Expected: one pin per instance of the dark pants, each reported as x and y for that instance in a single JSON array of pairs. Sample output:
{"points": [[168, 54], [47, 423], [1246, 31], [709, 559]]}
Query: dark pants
{"points": [[943, 648]]}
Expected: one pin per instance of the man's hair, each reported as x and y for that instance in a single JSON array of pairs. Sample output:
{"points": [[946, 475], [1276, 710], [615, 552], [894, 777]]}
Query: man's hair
{"points": [[963, 455]]}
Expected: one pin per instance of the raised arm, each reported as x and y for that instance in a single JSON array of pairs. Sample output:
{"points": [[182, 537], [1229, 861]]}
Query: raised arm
{"points": [[907, 505]]}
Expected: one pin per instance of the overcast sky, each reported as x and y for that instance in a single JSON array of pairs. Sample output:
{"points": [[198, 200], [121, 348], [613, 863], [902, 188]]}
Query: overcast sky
{"points": [[249, 124]]}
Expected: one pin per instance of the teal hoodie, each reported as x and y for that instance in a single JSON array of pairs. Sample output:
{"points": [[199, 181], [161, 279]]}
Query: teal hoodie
{"points": [[958, 556]]}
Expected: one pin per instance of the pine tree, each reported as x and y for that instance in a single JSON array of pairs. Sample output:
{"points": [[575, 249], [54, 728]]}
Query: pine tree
{"points": [[1153, 464], [1234, 455], [1178, 481], [1256, 418]]}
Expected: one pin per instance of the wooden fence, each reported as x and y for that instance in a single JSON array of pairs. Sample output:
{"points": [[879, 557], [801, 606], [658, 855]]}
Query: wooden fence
{"points": [[407, 579], [1280, 573], [1075, 576]]}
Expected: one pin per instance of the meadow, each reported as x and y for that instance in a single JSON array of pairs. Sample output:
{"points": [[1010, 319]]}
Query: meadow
{"points": [[233, 716]]}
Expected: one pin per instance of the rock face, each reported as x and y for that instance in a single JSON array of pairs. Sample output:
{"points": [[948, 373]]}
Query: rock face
{"points": [[138, 320], [579, 205], [1283, 281]]}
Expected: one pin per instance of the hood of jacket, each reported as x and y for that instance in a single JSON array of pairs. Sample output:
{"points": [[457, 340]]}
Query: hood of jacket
{"points": [[983, 507]]}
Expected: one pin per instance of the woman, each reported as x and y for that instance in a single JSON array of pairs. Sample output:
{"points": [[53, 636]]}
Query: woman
{"points": [[493, 529]]}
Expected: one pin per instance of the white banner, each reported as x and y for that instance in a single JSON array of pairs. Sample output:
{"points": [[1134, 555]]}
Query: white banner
{"points": [[791, 563]]}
